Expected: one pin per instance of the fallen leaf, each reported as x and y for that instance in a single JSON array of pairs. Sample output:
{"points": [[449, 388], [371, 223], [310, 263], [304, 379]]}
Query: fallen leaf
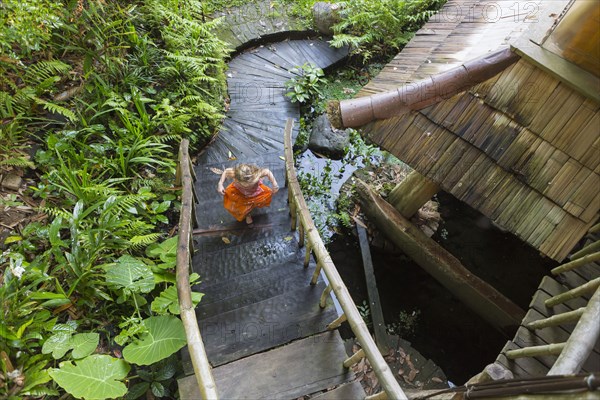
{"points": [[288, 238], [400, 372], [436, 379], [361, 364], [282, 157], [412, 374], [401, 352], [216, 170], [225, 240]]}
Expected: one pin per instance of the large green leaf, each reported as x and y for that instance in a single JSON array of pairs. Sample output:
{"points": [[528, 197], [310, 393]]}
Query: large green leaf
{"points": [[164, 337], [130, 274], [94, 377], [166, 251], [169, 301], [83, 344]]}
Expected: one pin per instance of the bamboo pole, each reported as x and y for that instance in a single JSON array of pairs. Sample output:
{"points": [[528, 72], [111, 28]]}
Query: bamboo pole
{"points": [[589, 249], [358, 326], [337, 322], [354, 358], [584, 289], [301, 235], [582, 340], [595, 228], [307, 253], [315, 277], [533, 351], [579, 262], [555, 320], [323, 300], [202, 368]]}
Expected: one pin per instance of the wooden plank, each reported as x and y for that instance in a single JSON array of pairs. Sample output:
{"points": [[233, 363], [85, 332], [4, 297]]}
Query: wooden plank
{"points": [[352, 390], [529, 364], [526, 338], [381, 337], [300, 368], [261, 326]]}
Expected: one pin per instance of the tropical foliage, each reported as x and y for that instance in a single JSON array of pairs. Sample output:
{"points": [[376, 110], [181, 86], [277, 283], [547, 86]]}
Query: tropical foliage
{"points": [[107, 90], [375, 27], [372, 28], [305, 86]]}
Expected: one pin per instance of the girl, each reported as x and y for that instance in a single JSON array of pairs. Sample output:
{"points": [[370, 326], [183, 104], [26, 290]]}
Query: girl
{"points": [[247, 191]]}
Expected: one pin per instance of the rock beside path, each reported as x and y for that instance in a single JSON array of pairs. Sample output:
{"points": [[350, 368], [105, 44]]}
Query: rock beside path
{"points": [[325, 16], [325, 139]]}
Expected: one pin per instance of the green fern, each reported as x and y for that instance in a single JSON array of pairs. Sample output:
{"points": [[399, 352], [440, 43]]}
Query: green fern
{"points": [[56, 109], [16, 162], [37, 73], [141, 241]]}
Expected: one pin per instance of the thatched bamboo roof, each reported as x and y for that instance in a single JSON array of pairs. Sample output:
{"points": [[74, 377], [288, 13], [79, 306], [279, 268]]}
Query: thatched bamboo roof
{"points": [[522, 147]]}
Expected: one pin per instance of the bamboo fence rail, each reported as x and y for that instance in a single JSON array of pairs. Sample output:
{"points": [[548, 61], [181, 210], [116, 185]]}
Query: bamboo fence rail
{"points": [[300, 213], [573, 353], [202, 368]]}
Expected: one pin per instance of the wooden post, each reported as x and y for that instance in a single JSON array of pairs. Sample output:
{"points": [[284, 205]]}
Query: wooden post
{"points": [[381, 337], [576, 263], [558, 319], [589, 249], [533, 351], [582, 290], [478, 295], [307, 254], [356, 357], [410, 194], [337, 322], [324, 295]]}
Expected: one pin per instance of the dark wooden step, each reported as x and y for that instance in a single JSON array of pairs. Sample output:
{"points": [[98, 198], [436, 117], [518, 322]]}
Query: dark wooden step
{"points": [[300, 368], [270, 323], [236, 233], [251, 288], [225, 262]]}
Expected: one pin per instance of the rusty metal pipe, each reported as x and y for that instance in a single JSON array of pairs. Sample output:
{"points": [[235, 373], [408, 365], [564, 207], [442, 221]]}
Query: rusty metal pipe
{"points": [[423, 93]]}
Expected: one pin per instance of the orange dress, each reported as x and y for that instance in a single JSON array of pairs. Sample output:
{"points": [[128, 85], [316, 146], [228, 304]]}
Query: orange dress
{"points": [[240, 200]]}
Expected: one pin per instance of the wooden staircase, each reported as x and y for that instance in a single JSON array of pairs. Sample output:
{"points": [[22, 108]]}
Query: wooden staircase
{"points": [[263, 329]]}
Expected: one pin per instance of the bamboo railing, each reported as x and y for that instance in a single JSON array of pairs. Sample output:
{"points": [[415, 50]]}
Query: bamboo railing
{"points": [[202, 369], [309, 236], [573, 353]]}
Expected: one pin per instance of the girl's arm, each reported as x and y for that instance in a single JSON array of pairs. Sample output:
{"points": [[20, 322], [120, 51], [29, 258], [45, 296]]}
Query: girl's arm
{"points": [[228, 173], [267, 173]]}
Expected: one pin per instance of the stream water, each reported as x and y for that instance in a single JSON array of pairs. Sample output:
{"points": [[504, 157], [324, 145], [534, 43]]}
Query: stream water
{"points": [[446, 331]]}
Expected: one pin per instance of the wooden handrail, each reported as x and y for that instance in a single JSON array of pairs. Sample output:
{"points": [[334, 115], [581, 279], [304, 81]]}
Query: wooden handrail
{"points": [[298, 205], [202, 368]]}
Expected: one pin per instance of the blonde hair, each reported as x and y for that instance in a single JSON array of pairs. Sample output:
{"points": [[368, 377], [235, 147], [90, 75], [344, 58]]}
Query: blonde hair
{"points": [[247, 173]]}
